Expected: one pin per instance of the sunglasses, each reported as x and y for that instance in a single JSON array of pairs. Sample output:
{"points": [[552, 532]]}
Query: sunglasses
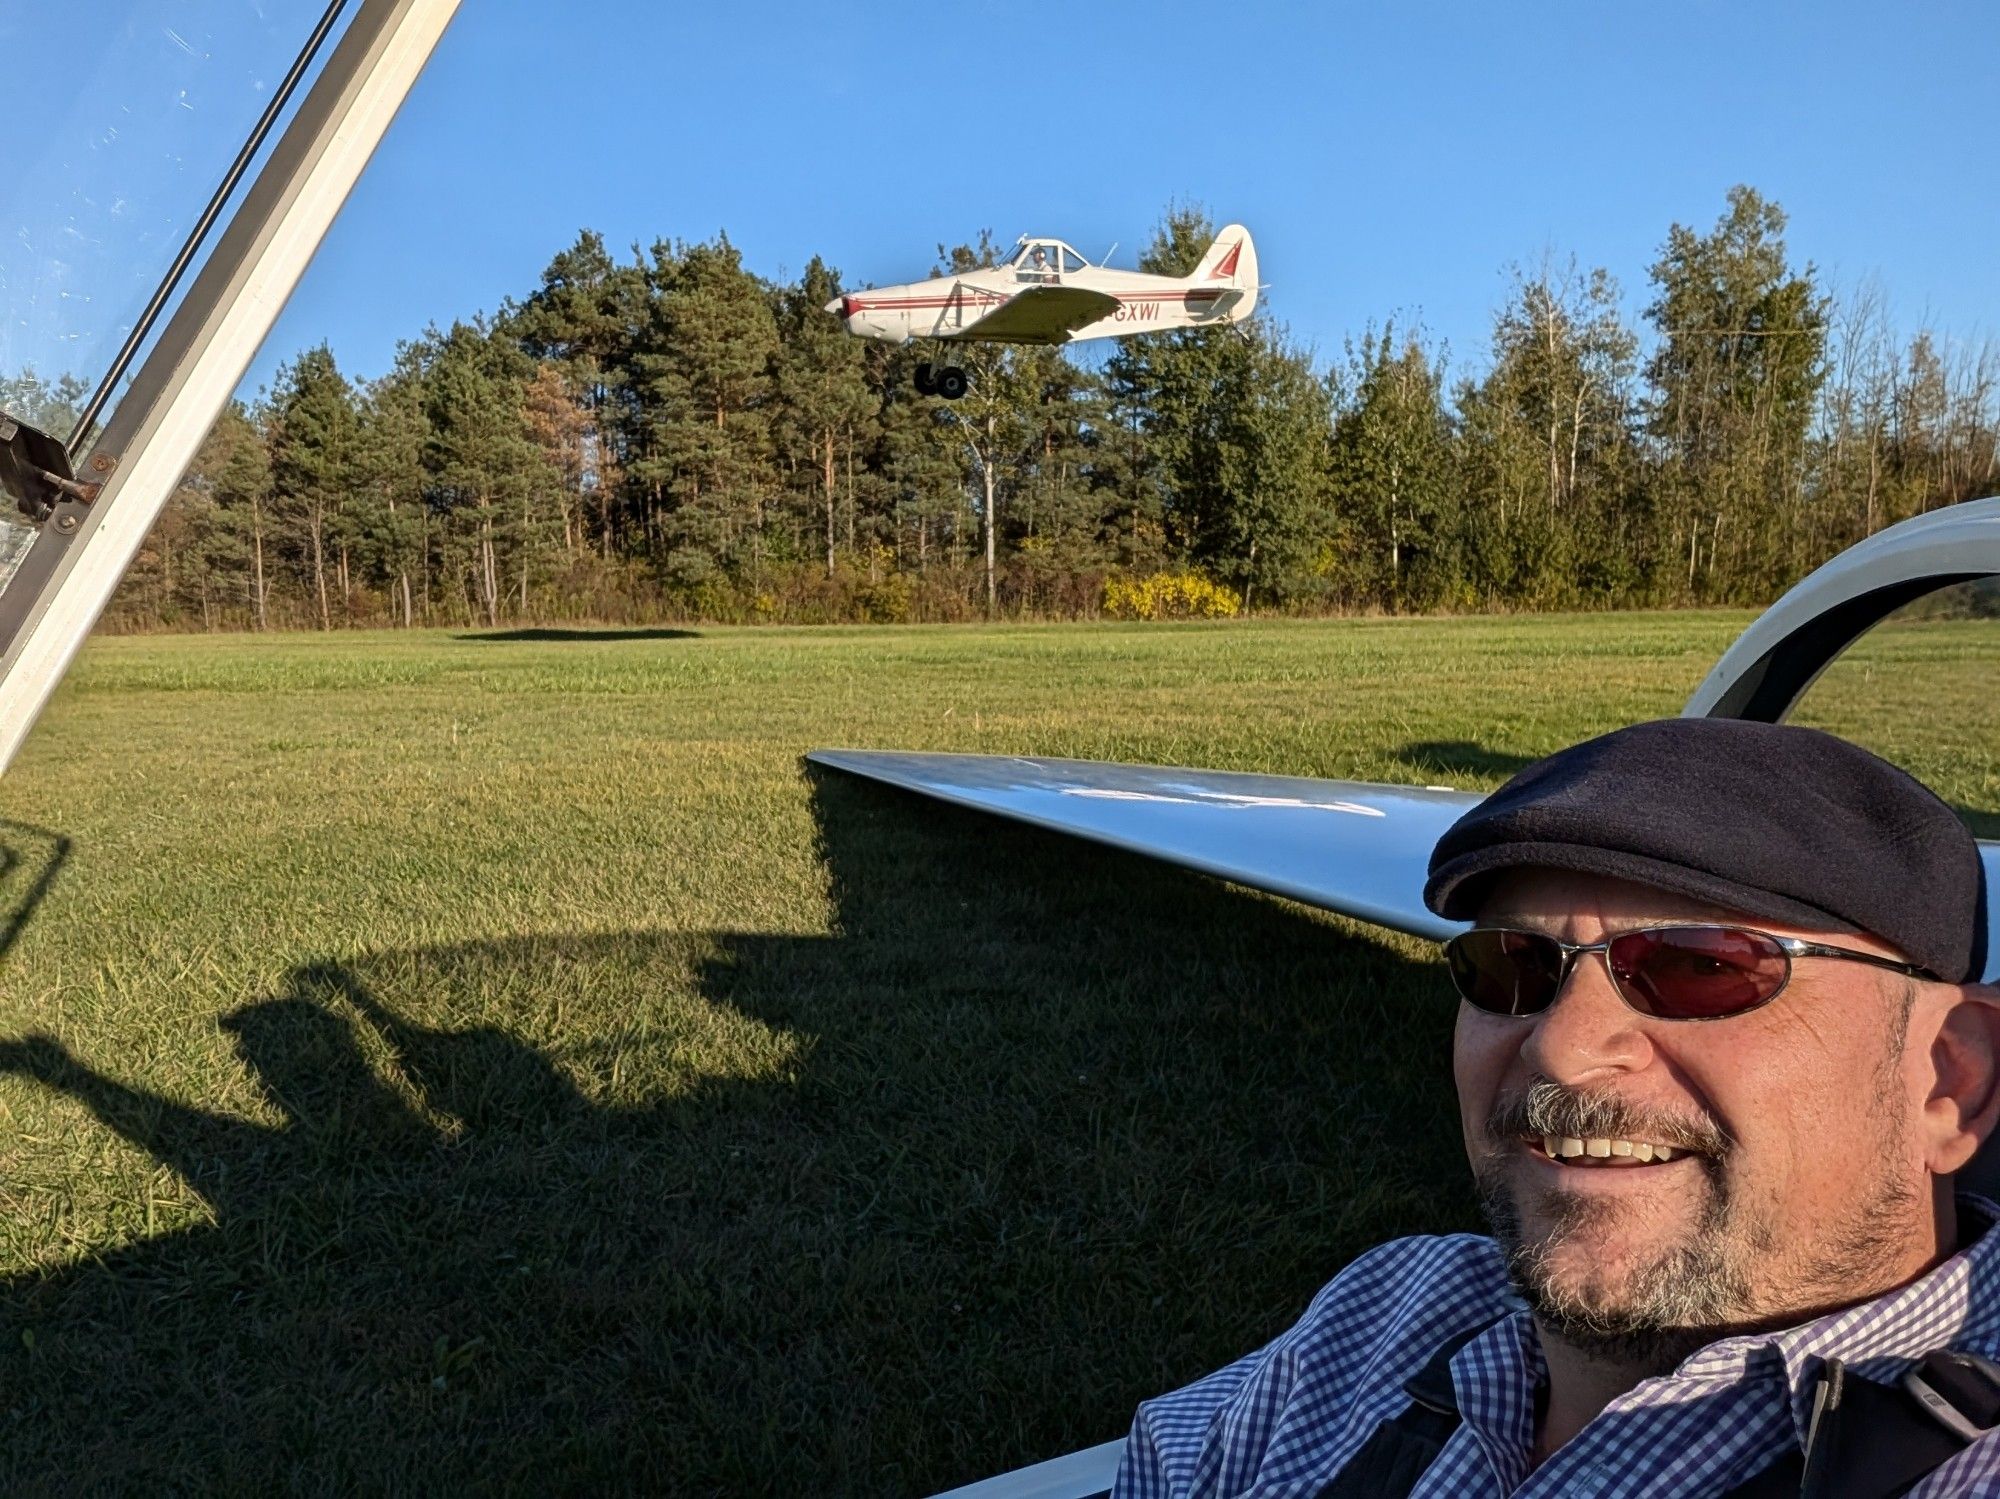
{"points": [[1667, 972]]}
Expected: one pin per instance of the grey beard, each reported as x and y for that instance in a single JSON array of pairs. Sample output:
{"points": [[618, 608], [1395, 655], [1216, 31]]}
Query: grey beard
{"points": [[1699, 1289], [1694, 1293]]}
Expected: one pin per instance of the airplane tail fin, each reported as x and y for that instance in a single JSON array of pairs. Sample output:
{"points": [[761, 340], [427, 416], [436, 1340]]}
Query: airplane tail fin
{"points": [[1232, 262]]}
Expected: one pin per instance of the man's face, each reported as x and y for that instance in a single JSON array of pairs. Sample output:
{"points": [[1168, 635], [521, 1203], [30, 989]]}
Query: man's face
{"points": [[1795, 1179]]}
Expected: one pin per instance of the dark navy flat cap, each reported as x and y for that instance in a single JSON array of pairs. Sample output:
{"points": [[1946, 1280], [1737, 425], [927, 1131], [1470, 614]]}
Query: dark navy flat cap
{"points": [[1763, 819]]}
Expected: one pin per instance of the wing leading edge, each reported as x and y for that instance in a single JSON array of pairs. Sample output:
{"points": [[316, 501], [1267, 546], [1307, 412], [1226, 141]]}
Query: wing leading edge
{"points": [[1347, 846]]}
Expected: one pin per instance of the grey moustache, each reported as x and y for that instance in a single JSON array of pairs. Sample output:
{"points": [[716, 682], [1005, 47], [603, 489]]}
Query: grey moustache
{"points": [[1548, 1108]]}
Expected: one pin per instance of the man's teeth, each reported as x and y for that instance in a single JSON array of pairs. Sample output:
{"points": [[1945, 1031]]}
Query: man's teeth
{"points": [[1562, 1147]]}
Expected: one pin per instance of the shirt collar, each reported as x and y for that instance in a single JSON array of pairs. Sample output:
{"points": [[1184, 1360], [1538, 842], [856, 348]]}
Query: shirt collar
{"points": [[1955, 1304], [1498, 1377]]}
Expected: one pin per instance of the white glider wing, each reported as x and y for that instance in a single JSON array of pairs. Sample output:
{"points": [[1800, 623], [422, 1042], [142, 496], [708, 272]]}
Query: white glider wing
{"points": [[1041, 315], [1356, 847], [1347, 846]]}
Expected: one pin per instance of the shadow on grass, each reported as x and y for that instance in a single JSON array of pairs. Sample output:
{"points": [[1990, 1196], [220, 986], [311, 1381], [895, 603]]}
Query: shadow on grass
{"points": [[30, 860], [541, 632], [1460, 757], [1040, 1129]]}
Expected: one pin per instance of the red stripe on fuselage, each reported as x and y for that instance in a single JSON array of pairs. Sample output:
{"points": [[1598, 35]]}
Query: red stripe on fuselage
{"points": [[989, 299]]}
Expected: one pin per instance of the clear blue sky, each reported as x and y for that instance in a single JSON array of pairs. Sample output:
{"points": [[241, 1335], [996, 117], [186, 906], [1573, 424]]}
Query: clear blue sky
{"points": [[1389, 159]]}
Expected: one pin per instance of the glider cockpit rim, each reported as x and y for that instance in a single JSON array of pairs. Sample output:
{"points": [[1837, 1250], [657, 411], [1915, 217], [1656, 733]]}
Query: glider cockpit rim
{"points": [[1772, 663]]}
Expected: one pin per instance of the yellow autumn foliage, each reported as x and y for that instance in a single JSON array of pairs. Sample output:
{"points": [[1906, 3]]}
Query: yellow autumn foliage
{"points": [[1167, 596]]}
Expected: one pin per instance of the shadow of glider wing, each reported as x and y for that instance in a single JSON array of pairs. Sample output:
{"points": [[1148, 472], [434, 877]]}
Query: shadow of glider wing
{"points": [[1041, 315], [1347, 846]]}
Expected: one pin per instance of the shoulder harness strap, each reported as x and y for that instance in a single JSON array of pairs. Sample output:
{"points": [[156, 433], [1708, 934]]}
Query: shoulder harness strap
{"points": [[1876, 1441], [1866, 1440]]}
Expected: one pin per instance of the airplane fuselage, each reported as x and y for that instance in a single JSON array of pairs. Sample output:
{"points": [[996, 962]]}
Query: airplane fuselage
{"points": [[946, 307], [1071, 299]]}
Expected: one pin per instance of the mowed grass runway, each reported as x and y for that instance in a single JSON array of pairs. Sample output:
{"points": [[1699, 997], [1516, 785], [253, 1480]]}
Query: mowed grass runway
{"points": [[439, 1064]]}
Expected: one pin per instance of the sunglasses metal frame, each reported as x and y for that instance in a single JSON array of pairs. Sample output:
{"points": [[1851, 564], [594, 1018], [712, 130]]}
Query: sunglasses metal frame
{"points": [[1792, 947]]}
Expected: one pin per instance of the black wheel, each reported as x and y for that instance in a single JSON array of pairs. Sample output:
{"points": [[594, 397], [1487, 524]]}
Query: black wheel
{"points": [[951, 382], [924, 381]]}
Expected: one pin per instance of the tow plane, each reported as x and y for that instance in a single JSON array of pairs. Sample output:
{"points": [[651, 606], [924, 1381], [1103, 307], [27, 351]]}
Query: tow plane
{"points": [[1046, 293]]}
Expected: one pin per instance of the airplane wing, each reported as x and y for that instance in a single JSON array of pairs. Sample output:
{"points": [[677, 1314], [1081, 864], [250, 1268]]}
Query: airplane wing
{"points": [[1355, 847], [1347, 846], [1041, 315]]}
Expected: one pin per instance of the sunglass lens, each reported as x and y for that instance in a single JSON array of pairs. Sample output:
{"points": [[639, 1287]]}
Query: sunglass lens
{"points": [[1505, 973], [1697, 973]]}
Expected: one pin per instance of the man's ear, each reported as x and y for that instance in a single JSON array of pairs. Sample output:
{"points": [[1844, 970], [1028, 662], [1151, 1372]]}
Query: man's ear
{"points": [[1964, 1104]]}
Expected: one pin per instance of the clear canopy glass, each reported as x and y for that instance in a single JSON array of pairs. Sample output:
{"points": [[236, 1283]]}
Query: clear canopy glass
{"points": [[1049, 255], [128, 113], [137, 110]]}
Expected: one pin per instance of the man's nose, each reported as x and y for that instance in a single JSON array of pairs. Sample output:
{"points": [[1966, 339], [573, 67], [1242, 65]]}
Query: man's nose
{"points": [[1589, 1031]]}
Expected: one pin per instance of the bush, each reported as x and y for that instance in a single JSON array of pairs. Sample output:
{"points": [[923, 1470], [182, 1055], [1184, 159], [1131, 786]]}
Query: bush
{"points": [[886, 602], [1167, 596]]}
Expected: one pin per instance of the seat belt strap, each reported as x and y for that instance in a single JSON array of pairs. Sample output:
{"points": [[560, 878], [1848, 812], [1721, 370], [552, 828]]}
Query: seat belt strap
{"points": [[1876, 1441], [1865, 1441]]}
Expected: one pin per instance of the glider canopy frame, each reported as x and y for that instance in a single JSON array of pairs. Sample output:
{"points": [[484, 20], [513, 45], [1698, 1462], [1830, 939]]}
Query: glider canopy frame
{"points": [[93, 524]]}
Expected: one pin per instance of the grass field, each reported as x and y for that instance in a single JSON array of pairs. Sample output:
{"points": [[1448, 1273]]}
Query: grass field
{"points": [[438, 1064]]}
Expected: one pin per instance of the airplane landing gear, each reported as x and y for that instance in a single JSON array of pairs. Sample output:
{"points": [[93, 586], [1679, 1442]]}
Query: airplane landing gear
{"points": [[949, 382]]}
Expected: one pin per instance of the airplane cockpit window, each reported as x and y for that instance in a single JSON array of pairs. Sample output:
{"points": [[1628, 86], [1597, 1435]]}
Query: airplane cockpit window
{"points": [[1916, 689], [99, 199], [1038, 262], [1071, 261]]}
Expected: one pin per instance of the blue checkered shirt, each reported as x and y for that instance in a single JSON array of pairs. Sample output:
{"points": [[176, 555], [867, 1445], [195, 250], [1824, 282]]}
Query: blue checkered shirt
{"points": [[1284, 1420]]}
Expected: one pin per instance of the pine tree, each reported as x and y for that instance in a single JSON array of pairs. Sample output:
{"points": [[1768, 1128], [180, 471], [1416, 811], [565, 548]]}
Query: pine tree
{"points": [[51, 405], [586, 318], [1273, 514], [704, 385], [485, 471], [395, 433], [1165, 389], [825, 404], [1063, 533], [1233, 430], [922, 463], [312, 428], [561, 428]]}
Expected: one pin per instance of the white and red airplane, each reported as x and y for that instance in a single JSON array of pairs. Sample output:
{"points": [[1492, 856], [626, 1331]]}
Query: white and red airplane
{"points": [[1046, 293]]}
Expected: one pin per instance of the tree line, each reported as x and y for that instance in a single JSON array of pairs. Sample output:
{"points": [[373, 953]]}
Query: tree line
{"points": [[673, 437]]}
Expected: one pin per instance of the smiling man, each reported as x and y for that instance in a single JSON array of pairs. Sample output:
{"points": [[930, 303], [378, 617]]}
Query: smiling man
{"points": [[1720, 1054]]}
